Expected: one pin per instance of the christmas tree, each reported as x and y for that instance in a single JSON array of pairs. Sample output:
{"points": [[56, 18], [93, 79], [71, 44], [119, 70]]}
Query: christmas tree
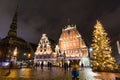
{"points": [[101, 54]]}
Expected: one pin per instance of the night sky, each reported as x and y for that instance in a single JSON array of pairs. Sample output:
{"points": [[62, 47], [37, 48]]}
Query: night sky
{"points": [[36, 17]]}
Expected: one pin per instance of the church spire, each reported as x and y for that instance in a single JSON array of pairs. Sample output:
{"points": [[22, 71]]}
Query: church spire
{"points": [[68, 21], [13, 26]]}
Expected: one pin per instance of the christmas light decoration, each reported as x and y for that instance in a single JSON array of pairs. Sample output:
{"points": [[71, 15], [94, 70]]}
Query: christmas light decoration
{"points": [[101, 54]]}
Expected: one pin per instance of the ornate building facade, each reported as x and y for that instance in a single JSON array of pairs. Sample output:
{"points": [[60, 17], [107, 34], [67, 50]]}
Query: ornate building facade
{"points": [[44, 50], [72, 46]]}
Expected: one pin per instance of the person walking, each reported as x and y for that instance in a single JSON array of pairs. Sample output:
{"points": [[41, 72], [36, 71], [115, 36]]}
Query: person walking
{"points": [[48, 65], [10, 66], [82, 66], [42, 65], [65, 66], [21, 64], [36, 65]]}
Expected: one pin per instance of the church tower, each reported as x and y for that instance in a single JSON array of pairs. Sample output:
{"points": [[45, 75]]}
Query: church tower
{"points": [[13, 27], [11, 41]]}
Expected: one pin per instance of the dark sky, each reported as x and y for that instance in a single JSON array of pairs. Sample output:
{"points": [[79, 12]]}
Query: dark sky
{"points": [[36, 17]]}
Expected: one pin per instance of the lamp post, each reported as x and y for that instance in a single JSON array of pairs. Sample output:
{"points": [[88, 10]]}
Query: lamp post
{"points": [[64, 55], [24, 57], [29, 61], [90, 51], [29, 55], [15, 56]]}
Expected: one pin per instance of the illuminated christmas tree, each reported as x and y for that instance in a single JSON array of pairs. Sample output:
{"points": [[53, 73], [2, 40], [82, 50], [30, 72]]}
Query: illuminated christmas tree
{"points": [[101, 54]]}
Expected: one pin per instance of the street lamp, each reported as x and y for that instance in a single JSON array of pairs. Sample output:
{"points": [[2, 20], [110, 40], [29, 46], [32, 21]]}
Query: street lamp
{"points": [[15, 52], [24, 56], [90, 51], [29, 55], [64, 55]]}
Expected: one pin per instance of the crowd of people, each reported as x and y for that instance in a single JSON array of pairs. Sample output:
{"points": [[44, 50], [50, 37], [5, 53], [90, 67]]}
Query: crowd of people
{"points": [[73, 67], [66, 66], [36, 65]]}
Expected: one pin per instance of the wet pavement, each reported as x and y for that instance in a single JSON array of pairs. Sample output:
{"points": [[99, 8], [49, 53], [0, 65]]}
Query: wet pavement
{"points": [[55, 74]]}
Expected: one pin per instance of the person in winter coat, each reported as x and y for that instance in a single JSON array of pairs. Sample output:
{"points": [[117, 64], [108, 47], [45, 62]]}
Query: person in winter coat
{"points": [[75, 72]]}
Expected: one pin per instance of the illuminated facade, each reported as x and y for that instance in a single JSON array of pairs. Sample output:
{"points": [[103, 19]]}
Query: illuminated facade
{"points": [[72, 45], [44, 50]]}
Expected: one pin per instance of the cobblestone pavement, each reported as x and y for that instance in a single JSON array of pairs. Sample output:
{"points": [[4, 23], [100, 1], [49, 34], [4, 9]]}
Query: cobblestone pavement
{"points": [[56, 74]]}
